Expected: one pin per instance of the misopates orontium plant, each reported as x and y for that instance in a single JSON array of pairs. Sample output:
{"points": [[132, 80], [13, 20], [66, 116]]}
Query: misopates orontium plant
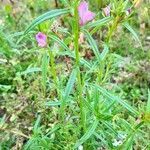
{"points": [[97, 118]]}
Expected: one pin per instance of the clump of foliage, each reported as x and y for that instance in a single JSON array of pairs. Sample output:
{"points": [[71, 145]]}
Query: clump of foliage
{"points": [[76, 78]]}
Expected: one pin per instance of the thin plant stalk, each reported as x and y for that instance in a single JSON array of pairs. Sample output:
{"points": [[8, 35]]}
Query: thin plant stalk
{"points": [[76, 46], [53, 68], [54, 75], [112, 29]]}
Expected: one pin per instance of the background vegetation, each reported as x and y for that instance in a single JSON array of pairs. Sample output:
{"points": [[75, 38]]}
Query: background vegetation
{"points": [[40, 105]]}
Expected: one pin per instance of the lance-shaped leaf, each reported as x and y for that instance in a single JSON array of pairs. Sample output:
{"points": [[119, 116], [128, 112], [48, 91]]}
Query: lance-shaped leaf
{"points": [[117, 99], [87, 135], [132, 32], [48, 15]]}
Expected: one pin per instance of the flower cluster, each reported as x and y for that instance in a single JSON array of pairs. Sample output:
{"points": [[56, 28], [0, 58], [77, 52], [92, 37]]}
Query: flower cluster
{"points": [[85, 15]]}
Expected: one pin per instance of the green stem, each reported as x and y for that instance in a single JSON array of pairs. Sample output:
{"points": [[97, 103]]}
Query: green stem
{"points": [[100, 4], [44, 71], [112, 29], [77, 54], [53, 68], [100, 72], [55, 79]]}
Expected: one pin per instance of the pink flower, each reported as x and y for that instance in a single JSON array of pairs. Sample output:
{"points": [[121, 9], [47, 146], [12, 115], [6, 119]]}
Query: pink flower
{"points": [[84, 14], [106, 10], [41, 38]]}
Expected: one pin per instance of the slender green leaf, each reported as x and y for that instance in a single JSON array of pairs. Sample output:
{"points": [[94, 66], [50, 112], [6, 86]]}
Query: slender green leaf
{"points": [[5, 87], [117, 99], [48, 15], [109, 126], [65, 2], [148, 103], [70, 83], [72, 55], [129, 139], [30, 70], [53, 103], [87, 135], [92, 44], [55, 38], [98, 23], [68, 52], [101, 138], [104, 52], [37, 123], [132, 31]]}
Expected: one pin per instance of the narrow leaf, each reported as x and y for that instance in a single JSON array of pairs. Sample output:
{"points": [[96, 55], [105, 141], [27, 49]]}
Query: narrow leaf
{"points": [[70, 83], [37, 123], [148, 103], [56, 39], [48, 15], [29, 70], [104, 52], [87, 135], [117, 99], [68, 51], [132, 32], [92, 44], [98, 23], [53, 103]]}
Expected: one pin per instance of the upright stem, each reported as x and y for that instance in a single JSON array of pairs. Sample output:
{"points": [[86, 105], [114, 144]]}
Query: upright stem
{"points": [[56, 82], [76, 46], [53, 68], [112, 29]]}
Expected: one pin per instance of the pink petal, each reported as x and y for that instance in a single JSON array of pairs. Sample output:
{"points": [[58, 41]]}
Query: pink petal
{"points": [[106, 10], [89, 16], [84, 14], [42, 43], [83, 8], [41, 38]]}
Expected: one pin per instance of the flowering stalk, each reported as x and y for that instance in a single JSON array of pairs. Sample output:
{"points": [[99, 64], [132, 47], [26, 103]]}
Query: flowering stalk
{"points": [[76, 46], [41, 39]]}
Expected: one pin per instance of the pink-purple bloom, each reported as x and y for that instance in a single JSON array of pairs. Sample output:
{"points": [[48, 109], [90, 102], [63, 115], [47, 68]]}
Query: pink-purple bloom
{"points": [[84, 13], [107, 10], [41, 38]]}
